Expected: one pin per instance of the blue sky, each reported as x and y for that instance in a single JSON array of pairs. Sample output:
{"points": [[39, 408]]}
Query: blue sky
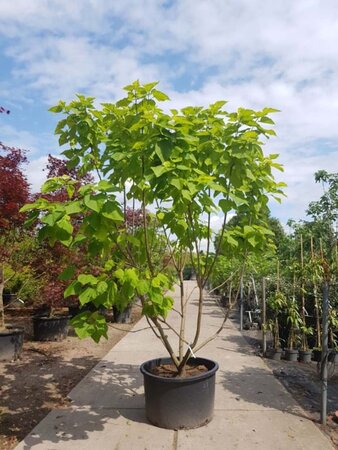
{"points": [[253, 53]]}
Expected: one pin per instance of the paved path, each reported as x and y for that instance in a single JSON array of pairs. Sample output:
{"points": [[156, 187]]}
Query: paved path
{"points": [[252, 409]]}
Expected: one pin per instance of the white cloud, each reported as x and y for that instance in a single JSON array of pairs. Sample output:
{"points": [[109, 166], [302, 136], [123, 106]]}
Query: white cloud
{"points": [[253, 53], [35, 173], [19, 138]]}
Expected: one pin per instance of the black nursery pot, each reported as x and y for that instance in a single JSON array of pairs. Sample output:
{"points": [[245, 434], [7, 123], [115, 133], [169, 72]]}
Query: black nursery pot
{"points": [[291, 355], [333, 356], [179, 403], [53, 328], [317, 355], [305, 356], [11, 341], [275, 354]]}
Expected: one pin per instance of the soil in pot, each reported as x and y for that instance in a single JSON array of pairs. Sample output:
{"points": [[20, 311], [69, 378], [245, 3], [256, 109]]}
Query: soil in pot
{"points": [[11, 341], [291, 355], [305, 356], [169, 370], [179, 402], [54, 328]]}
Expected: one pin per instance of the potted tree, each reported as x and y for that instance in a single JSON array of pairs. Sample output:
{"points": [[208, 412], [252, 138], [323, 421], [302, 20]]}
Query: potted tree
{"points": [[50, 322], [333, 329], [294, 321], [305, 353], [184, 166], [276, 304], [11, 338], [14, 192]]}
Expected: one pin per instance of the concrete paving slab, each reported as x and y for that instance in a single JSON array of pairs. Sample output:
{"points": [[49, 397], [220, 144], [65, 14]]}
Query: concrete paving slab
{"points": [[248, 430], [131, 358], [110, 386], [252, 409], [103, 429]]}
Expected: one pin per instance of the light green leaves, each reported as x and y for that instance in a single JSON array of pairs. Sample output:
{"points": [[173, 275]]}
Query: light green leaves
{"points": [[188, 163], [91, 325], [160, 96]]}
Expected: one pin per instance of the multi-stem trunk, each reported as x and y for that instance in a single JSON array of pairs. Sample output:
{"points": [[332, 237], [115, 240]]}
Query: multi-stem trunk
{"points": [[315, 294], [276, 335], [2, 310], [183, 316], [183, 362], [304, 337]]}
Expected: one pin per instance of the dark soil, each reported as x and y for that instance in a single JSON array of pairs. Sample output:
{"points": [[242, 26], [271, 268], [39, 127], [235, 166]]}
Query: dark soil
{"points": [[302, 380], [170, 371], [44, 375]]}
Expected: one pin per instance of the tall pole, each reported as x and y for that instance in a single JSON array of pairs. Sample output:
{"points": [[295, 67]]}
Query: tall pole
{"points": [[241, 306], [263, 317], [325, 334]]}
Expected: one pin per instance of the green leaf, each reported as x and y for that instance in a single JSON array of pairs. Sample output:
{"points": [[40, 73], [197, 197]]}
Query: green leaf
{"points": [[88, 295], [106, 186], [225, 205], [186, 194], [149, 86], [238, 200], [111, 211], [177, 183], [130, 275], [73, 207], [160, 96], [92, 203], [102, 287], [266, 119], [159, 170], [68, 273], [50, 185], [143, 287], [65, 225], [57, 109], [32, 218], [87, 279], [73, 289], [41, 203]]}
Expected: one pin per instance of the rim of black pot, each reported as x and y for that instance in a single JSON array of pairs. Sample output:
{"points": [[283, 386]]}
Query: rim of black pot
{"points": [[11, 329], [45, 317], [209, 373]]}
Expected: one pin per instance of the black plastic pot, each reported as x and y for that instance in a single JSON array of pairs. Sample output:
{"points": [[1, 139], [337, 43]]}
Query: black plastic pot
{"points": [[122, 316], [305, 356], [53, 328], [11, 341], [291, 355], [333, 356], [179, 403], [275, 354], [317, 355]]}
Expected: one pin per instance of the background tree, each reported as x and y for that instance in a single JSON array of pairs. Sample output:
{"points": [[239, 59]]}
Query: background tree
{"points": [[14, 187]]}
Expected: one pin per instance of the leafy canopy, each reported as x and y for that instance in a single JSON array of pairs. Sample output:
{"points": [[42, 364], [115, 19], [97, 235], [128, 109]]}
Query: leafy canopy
{"points": [[186, 164]]}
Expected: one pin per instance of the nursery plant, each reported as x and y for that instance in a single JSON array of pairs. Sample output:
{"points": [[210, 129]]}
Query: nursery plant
{"points": [[179, 167], [14, 192], [276, 304]]}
